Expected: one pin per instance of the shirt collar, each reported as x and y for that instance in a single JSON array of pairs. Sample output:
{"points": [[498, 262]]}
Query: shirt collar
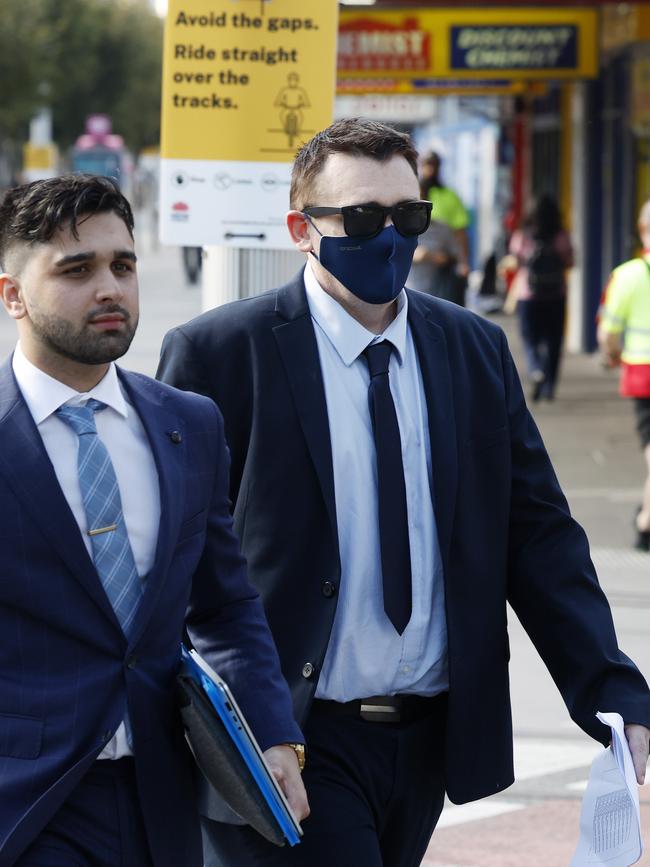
{"points": [[44, 395], [346, 335]]}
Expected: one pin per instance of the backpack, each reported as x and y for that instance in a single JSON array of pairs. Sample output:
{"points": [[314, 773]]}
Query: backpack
{"points": [[545, 270]]}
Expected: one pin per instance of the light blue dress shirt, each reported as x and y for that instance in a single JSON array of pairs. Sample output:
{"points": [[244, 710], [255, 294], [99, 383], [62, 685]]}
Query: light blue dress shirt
{"points": [[365, 655]]}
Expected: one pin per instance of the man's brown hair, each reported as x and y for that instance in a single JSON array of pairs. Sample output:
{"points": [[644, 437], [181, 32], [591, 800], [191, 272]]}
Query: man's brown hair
{"points": [[356, 136]]}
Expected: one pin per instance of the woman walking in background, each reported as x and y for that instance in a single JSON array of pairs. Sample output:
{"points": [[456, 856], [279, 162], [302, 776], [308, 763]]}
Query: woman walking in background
{"points": [[543, 253]]}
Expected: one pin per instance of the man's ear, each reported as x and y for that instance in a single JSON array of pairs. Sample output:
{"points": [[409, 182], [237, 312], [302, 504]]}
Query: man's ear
{"points": [[298, 226], [12, 296]]}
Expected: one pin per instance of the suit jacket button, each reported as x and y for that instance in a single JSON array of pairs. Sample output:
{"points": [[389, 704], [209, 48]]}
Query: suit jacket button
{"points": [[175, 437], [307, 670], [107, 736], [132, 661], [329, 589]]}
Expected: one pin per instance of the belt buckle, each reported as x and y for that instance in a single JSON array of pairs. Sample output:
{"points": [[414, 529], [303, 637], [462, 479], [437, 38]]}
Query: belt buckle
{"points": [[374, 712]]}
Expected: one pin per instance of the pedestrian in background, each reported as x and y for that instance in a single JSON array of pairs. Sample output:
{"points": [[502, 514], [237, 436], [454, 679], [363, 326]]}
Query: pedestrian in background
{"points": [[116, 538], [447, 208], [435, 261], [624, 338], [543, 252]]}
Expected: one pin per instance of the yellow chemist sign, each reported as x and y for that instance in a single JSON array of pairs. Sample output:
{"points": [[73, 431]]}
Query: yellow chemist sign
{"points": [[431, 46], [245, 83]]}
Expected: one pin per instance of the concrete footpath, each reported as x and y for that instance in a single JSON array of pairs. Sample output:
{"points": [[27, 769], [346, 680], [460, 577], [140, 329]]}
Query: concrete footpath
{"points": [[590, 434]]}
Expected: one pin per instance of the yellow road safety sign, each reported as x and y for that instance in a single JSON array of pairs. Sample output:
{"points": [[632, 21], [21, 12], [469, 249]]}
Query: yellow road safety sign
{"points": [[245, 83], [246, 80]]}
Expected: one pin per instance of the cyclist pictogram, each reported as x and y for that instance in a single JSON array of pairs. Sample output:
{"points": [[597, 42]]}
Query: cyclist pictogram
{"points": [[291, 100]]}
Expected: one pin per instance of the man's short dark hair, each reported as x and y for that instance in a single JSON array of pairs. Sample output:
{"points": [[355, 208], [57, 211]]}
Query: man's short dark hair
{"points": [[356, 136], [33, 213], [431, 158]]}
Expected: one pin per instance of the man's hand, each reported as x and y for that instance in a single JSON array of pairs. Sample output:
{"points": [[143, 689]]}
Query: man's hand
{"points": [[638, 738], [284, 764], [610, 347]]}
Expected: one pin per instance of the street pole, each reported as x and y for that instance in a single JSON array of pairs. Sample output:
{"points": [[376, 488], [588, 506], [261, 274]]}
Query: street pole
{"points": [[578, 327], [230, 273]]}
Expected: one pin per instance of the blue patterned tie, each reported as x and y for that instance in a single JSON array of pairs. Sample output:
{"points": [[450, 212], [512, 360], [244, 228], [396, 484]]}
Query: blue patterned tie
{"points": [[101, 498]]}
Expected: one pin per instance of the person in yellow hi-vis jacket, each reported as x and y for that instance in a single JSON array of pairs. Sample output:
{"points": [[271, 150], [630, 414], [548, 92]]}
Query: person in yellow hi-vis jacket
{"points": [[624, 338]]}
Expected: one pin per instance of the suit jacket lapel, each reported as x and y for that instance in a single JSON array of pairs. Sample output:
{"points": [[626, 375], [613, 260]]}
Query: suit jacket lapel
{"points": [[25, 464], [28, 469], [299, 351], [159, 421], [431, 346]]}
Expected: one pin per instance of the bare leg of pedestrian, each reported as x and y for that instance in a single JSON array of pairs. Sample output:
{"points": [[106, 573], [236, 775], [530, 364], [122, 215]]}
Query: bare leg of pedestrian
{"points": [[643, 515]]}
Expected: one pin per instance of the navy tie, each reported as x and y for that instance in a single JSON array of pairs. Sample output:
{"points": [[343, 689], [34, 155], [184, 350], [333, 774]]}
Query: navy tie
{"points": [[391, 489], [111, 548]]}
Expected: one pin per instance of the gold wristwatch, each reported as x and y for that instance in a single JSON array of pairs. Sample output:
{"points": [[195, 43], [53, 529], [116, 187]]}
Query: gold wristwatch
{"points": [[299, 750]]}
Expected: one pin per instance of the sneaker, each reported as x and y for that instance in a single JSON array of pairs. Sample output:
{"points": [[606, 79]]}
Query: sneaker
{"points": [[537, 389], [642, 541]]}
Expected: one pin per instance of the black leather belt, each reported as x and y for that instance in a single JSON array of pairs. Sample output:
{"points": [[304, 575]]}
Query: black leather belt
{"points": [[384, 708]]}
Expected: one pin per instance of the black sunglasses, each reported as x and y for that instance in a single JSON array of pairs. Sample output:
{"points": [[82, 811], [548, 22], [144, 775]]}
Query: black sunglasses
{"points": [[366, 221]]}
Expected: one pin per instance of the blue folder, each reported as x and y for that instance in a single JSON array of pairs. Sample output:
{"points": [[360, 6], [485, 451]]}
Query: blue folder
{"points": [[227, 753]]}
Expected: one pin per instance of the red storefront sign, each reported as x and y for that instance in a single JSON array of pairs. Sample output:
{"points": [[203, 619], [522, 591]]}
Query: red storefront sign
{"points": [[367, 44]]}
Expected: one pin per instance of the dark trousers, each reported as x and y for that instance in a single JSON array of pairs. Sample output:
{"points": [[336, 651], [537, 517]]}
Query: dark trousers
{"points": [[99, 825], [376, 791], [542, 332]]}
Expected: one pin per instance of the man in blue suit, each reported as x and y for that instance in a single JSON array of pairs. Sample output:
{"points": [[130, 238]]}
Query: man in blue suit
{"points": [[392, 493], [115, 537]]}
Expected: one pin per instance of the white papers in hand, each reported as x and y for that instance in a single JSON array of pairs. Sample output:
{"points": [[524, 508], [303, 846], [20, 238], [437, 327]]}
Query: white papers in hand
{"points": [[610, 821]]}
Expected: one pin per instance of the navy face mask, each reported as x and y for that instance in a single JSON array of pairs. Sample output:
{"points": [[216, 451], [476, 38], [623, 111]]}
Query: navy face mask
{"points": [[373, 269]]}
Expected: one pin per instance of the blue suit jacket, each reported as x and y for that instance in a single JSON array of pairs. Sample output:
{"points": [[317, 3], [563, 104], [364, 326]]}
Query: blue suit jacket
{"points": [[67, 671], [505, 531]]}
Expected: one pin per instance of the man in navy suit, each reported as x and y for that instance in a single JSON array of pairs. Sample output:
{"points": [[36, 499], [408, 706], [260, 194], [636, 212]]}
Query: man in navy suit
{"points": [[392, 493], [115, 537]]}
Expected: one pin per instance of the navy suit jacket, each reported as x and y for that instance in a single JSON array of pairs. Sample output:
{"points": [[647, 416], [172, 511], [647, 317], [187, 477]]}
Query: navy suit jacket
{"points": [[67, 672], [506, 534]]}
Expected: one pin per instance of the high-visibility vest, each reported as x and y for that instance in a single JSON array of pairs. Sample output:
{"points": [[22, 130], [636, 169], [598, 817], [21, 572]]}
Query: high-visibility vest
{"points": [[626, 311]]}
